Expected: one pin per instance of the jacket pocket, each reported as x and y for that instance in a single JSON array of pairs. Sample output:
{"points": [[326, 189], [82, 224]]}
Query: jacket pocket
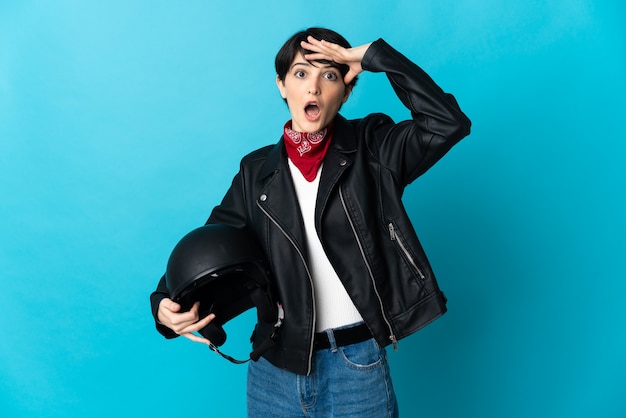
{"points": [[395, 236]]}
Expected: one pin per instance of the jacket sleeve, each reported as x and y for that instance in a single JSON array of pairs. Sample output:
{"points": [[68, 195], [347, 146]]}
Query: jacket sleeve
{"points": [[411, 147], [231, 211]]}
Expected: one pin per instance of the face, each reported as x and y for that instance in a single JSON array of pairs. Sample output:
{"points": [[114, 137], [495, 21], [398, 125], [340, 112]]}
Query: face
{"points": [[314, 94]]}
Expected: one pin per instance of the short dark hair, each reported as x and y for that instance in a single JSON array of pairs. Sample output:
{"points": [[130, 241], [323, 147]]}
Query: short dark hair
{"points": [[292, 47]]}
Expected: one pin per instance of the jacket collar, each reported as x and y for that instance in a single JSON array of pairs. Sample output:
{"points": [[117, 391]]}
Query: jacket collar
{"points": [[344, 140]]}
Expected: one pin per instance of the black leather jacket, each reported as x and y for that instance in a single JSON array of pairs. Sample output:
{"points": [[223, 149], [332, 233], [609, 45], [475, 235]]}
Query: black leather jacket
{"points": [[359, 214]]}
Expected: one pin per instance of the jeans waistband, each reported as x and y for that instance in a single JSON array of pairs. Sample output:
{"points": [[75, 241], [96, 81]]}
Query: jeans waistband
{"points": [[341, 337]]}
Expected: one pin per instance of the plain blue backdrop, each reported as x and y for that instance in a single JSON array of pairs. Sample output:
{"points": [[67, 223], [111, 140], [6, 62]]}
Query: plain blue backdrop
{"points": [[123, 122]]}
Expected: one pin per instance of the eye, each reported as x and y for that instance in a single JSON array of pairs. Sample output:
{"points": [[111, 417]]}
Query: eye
{"points": [[299, 74], [331, 76]]}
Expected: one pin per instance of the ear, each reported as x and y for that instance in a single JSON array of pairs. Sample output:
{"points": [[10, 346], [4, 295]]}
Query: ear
{"points": [[281, 86], [347, 93]]}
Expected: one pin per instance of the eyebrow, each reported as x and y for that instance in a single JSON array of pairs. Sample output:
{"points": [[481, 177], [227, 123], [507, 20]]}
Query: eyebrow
{"points": [[308, 64]]}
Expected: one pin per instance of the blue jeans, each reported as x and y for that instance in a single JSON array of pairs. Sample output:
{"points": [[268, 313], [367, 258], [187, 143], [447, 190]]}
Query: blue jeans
{"points": [[349, 381]]}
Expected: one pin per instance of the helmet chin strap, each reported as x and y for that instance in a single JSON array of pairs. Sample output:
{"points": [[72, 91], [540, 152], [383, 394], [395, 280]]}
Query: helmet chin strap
{"points": [[226, 356], [263, 347]]}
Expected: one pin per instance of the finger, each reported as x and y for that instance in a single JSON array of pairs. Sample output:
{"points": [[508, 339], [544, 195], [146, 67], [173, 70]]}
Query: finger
{"points": [[317, 54], [321, 44], [178, 322], [191, 316], [323, 56], [189, 331], [323, 50], [350, 75], [196, 339], [202, 323], [168, 311], [195, 308], [184, 319], [170, 305], [311, 43], [196, 325]]}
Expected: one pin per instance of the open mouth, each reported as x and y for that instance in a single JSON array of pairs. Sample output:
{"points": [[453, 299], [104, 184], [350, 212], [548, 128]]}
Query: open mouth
{"points": [[312, 111]]}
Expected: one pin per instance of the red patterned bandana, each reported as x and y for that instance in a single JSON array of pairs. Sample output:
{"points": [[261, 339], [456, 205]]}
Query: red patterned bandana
{"points": [[307, 150]]}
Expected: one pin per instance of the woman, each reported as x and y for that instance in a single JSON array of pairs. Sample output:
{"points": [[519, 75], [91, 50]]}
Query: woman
{"points": [[325, 204]]}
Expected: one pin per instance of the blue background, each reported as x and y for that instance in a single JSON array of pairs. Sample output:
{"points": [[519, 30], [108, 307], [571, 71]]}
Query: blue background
{"points": [[123, 122]]}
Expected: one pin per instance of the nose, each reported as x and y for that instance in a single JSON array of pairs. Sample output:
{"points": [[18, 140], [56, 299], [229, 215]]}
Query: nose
{"points": [[314, 88]]}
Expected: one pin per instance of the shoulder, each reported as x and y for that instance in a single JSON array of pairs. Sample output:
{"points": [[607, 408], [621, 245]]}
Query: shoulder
{"points": [[259, 155], [372, 125], [263, 161], [367, 122]]}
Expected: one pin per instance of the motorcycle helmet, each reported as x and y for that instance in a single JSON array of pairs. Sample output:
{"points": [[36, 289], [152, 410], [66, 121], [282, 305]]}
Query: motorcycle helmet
{"points": [[224, 268]]}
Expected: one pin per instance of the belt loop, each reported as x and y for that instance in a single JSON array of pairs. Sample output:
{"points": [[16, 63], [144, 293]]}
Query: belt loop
{"points": [[331, 340]]}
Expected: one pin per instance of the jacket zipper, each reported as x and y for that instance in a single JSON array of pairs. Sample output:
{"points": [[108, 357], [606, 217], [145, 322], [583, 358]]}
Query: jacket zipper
{"points": [[394, 237], [392, 336], [310, 359]]}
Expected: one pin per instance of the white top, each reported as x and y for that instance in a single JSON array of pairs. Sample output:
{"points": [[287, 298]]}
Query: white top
{"points": [[333, 306]]}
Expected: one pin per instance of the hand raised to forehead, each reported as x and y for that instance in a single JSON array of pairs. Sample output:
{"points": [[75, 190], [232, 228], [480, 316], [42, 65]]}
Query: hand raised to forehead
{"points": [[324, 50]]}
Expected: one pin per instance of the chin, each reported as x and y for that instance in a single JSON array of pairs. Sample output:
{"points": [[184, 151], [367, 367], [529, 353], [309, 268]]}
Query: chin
{"points": [[309, 127]]}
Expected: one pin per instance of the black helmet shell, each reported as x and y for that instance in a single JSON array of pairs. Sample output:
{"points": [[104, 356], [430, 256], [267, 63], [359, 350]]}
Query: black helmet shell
{"points": [[206, 250], [223, 268]]}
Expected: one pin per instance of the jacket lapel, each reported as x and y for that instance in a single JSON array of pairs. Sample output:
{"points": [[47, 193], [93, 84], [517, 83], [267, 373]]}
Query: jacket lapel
{"points": [[338, 158], [278, 196]]}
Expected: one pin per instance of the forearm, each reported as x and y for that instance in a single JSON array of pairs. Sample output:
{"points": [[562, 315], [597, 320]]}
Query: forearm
{"points": [[418, 92], [411, 147]]}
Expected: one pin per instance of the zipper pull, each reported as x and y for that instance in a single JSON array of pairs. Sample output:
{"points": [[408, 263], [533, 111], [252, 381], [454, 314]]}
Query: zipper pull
{"points": [[394, 342], [392, 231]]}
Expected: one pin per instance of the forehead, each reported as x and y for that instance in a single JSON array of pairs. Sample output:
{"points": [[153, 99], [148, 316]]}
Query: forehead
{"points": [[299, 60]]}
